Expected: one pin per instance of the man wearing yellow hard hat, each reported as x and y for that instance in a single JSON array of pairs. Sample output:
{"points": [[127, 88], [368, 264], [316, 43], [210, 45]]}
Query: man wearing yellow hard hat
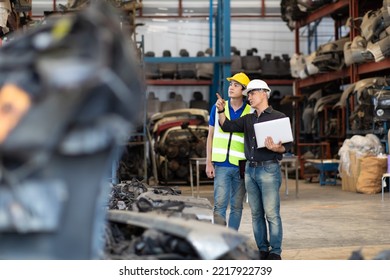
{"points": [[224, 151]]}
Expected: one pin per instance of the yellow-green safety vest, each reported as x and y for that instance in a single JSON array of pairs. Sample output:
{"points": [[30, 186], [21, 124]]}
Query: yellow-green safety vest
{"points": [[228, 144]]}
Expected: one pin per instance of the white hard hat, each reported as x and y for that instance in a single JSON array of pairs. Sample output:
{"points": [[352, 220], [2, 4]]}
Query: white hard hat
{"points": [[257, 84]]}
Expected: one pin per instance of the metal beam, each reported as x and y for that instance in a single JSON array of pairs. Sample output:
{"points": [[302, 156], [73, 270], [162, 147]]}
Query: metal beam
{"points": [[198, 59]]}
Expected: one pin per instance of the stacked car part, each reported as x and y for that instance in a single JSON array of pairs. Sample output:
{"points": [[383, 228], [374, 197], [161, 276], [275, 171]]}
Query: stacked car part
{"points": [[177, 136]]}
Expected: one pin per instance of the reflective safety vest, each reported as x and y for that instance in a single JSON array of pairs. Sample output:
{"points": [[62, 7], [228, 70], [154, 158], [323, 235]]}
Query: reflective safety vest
{"points": [[228, 144]]}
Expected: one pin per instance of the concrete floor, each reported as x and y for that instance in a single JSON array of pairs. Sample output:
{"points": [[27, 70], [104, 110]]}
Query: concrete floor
{"points": [[324, 222]]}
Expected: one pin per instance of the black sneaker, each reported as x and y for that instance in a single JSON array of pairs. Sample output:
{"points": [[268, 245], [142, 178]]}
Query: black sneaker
{"points": [[273, 256], [263, 255]]}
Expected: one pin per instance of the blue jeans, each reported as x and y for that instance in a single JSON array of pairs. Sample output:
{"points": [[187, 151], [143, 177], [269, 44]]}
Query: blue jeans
{"points": [[228, 187], [262, 184]]}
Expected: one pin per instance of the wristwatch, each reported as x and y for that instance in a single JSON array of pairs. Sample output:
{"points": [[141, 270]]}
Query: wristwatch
{"points": [[220, 112]]}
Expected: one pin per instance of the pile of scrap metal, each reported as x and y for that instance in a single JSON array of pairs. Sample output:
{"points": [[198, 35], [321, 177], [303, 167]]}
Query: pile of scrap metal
{"points": [[328, 57], [367, 105], [373, 44], [127, 10], [14, 15], [317, 120], [69, 91], [329, 123], [295, 10], [375, 29], [355, 51], [138, 196], [374, 41], [175, 137], [159, 223]]}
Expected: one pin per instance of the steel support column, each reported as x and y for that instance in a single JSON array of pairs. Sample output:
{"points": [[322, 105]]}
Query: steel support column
{"points": [[222, 46]]}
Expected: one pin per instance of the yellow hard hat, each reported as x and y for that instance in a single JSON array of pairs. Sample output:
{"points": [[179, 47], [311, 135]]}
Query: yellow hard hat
{"points": [[240, 78]]}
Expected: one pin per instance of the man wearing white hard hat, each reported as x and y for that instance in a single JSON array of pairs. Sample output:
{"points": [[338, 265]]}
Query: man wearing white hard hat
{"points": [[224, 151], [262, 170]]}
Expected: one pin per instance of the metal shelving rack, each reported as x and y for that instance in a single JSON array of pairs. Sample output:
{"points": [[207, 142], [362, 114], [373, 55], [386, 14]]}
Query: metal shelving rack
{"points": [[347, 75], [136, 138], [221, 59]]}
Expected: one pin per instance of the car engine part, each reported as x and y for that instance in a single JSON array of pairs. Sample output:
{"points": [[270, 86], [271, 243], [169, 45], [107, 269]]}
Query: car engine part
{"points": [[70, 88]]}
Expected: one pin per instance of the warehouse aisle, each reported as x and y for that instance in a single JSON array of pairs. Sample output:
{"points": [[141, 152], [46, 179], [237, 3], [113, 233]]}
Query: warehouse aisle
{"points": [[324, 222]]}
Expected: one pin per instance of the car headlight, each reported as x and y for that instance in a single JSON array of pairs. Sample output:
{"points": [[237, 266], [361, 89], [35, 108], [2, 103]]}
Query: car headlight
{"points": [[380, 112]]}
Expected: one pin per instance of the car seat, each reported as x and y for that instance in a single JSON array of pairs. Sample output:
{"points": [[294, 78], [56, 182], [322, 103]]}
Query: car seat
{"points": [[198, 101], [204, 71], [151, 69], [251, 64], [175, 102], [185, 70], [236, 66], [168, 70], [153, 104]]}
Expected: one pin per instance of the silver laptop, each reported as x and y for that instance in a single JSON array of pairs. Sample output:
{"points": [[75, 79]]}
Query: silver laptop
{"points": [[279, 130]]}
